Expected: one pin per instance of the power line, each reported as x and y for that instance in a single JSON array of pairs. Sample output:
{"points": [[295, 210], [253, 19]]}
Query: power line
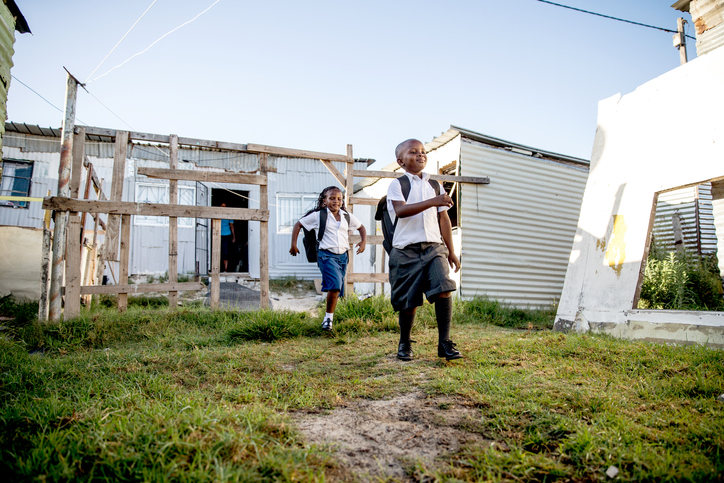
{"points": [[614, 18], [43, 98], [108, 108], [119, 42], [156, 41]]}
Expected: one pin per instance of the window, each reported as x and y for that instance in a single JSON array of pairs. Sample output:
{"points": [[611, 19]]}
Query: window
{"points": [[158, 193], [15, 180], [290, 208]]}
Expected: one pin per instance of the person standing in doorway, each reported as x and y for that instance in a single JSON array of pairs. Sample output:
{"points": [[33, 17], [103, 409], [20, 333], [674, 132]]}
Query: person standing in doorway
{"points": [[228, 238]]}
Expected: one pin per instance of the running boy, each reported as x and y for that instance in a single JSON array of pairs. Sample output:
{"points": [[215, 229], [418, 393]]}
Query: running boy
{"points": [[422, 248], [332, 254]]}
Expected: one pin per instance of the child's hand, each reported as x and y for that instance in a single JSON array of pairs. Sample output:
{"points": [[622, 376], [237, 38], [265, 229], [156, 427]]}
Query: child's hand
{"points": [[452, 259], [361, 246], [294, 250], [442, 200]]}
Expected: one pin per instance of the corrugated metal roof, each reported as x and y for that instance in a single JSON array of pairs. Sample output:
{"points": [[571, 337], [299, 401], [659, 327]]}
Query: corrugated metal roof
{"points": [[21, 25]]}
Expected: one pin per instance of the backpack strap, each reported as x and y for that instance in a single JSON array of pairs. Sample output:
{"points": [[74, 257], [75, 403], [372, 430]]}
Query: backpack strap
{"points": [[405, 185], [322, 224]]}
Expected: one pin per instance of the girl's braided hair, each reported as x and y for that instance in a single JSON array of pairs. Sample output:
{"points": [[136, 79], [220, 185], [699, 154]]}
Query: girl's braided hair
{"points": [[322, 197]]}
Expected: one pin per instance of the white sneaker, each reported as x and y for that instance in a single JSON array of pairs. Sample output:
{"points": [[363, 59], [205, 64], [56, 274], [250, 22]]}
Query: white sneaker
{"points": [[327, 324]]}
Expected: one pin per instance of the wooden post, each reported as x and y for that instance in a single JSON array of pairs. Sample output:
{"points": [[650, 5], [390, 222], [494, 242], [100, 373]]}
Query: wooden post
{"points": [[61, 218], [125, 255], [349, 191], [678, 236], [215, 263], [119, 168], [264, 235], [44, 274], [72, 270], [92, 253], [680, 39], [173, 223]]}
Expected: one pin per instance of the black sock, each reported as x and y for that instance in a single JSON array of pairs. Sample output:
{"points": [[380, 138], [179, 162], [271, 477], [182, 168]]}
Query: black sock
{"points": [[406, 320], [443, 314]]}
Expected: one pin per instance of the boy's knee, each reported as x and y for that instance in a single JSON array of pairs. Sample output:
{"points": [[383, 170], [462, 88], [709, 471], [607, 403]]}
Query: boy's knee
{"points": [[442, 295]]}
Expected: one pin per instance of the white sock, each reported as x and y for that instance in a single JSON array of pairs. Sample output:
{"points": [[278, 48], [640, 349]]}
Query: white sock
{"points": [[329, 315]]}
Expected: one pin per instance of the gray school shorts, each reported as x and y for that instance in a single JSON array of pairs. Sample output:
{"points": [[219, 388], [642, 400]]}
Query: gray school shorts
{"points": [[416, 269]]}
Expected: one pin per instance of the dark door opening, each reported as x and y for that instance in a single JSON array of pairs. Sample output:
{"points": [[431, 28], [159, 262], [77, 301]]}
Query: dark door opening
{"points": [[239, 250]]}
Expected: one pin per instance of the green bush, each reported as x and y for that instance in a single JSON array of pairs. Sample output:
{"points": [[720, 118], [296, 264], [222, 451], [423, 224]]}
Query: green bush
{"points": [[674, 281]]}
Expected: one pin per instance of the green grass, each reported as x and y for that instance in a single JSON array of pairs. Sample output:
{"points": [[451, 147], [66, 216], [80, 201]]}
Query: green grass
{"points": [[195, 395]]}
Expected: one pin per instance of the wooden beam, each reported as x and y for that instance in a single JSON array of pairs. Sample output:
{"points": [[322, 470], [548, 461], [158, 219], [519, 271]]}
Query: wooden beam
{"points": [[202, 176], [141, 288], [153, 209], [161, 138], [118, 176], [173, 223], [295, 153], [348, 191], [359, 200], [72, 269], [76, 170], [368, 278], [125, 258], [440, 177], [44, 276], [264, 237], [335, 172], [215, 263], [371, 239]]}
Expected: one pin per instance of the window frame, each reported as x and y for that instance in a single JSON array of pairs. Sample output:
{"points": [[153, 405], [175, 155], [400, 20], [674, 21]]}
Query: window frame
{"points": [[307, 201], [12, 190]]}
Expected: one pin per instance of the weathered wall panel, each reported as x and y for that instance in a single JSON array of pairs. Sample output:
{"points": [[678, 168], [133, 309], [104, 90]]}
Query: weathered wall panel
{"points": [[517, 232]]}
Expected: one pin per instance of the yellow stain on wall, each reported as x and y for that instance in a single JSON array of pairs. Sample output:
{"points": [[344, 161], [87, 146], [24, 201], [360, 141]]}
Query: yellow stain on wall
{"points": [[601, 244], [616, 252]]}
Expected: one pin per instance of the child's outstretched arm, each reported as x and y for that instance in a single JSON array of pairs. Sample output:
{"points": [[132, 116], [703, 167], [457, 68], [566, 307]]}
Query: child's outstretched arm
{"points": [[295, 233], [446, 232], [363, 234], [403, 210]]}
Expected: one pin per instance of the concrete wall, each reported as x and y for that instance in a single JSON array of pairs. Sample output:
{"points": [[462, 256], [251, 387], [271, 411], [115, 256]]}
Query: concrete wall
{"points": [[643, 145], [22, 253]]}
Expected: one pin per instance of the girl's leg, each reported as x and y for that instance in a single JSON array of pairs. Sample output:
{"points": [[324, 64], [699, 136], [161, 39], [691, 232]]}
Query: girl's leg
{"points": [[332, 298]]}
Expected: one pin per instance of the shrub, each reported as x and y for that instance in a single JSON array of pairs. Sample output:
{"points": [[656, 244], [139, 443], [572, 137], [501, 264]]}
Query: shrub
{"points": [[681, 281]]}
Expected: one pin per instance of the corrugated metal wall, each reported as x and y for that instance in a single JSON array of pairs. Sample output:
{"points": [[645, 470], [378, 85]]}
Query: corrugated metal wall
{"points": [[695, 209], [518, 231], [7, 49]]}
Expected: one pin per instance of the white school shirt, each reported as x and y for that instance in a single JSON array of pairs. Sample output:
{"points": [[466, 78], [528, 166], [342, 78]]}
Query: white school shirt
{"points": [[335, 238], [422, 227]]}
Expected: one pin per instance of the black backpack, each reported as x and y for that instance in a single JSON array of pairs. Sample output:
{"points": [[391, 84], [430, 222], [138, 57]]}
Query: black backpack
{"points": [[311, 239], [388, 228]]}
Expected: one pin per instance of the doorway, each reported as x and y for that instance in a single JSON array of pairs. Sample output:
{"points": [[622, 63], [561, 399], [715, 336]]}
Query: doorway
{"points": [[238, 253]]}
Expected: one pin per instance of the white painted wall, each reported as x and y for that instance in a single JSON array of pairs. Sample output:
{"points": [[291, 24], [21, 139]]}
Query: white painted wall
{"points": [[642, 146]]}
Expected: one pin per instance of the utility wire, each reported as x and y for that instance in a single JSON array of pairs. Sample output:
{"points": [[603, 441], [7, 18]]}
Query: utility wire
{"points": [[614, 18], [156, 41], [119, 42], [109, 109], [43, 98]]}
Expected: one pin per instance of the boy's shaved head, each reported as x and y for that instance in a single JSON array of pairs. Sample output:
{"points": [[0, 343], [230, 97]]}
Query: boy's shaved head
{"points": [[401, 147]]}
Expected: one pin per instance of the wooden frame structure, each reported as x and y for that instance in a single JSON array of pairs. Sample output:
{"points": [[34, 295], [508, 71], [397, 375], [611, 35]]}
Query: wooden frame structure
{"points": [[118, 225]]}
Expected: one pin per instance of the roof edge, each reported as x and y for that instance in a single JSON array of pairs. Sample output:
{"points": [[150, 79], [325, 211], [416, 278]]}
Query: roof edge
{"points": [[21, 25]]}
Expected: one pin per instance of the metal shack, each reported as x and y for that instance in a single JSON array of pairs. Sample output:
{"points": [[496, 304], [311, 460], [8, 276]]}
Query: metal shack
{"points": [[31, 157], [514, 235]]}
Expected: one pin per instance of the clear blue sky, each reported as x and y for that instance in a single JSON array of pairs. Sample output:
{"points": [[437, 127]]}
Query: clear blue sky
{"points": [[319, 75]]}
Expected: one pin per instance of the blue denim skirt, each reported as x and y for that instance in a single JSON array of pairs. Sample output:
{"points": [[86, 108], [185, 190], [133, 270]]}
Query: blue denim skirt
{"points": [[333, 268]]}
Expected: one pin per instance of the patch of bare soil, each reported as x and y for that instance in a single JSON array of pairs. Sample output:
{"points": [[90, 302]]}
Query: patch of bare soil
{"points": [[384, 440], [303, 302]]}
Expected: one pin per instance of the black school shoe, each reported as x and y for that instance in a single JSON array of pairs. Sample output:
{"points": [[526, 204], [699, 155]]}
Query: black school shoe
{"points": [[404, 351], [447, 350]]}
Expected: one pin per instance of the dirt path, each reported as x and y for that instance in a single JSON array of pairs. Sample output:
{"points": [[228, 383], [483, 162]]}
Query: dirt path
{"points": [[385, 440]]}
